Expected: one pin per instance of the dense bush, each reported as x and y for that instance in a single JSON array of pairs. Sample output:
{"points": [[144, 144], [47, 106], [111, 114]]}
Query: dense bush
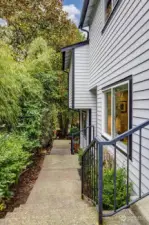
{"points": [[108, 188], [108, 183], [13, 160], [74, 130], [28, 108]]}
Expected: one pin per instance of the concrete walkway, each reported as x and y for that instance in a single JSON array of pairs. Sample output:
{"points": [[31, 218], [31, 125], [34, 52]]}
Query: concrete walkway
{"points": [[55, 198]]}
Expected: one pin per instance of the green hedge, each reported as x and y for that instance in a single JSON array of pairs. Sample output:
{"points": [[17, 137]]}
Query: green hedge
{"points": [[13, 160]]}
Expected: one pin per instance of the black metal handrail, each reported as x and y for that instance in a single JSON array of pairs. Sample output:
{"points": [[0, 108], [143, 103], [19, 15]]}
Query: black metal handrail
{"points": [[92, 170], [90, 131]]}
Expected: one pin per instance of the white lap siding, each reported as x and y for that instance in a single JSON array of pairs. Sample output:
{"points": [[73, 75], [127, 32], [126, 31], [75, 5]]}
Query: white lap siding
{"points": [[83, 98], [120, 51], [70, 85]]}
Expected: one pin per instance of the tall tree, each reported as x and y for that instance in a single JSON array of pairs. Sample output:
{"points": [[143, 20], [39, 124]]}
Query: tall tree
{"points": [[29, 19]]}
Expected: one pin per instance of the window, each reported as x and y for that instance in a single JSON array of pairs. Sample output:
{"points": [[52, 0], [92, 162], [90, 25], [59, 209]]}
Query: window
{"points": [[109, 6], [108, 112], [84, 121], [117, 118]]}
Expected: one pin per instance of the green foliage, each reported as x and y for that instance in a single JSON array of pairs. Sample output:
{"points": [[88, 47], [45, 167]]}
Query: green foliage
{"points": [[74, 130], [28, 105], [9, 86], [80, 154], [33, 89], [13, 159], [49, 124], [108, 183], [29, 20], [108, 189]]}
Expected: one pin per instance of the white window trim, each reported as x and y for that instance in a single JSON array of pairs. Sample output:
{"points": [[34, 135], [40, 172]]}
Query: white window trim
{"points": [[106, 135]]}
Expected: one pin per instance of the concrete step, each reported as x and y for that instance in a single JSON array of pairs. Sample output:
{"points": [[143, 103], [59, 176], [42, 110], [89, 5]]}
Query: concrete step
{"points": [[87, 216], [56, 202], [125, 217], [46, 208], [71, 216], [141, 210]]}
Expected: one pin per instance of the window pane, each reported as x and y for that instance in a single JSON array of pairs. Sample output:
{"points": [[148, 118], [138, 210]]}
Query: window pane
{"points": [[121, 111], [84, 121], [108, 8], [108, 113]]}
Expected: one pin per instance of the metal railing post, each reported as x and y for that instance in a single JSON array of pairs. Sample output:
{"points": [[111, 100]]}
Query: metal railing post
{"points": [[72, 145], [93, 132], [140, 163], [100, 182], [82, 178]]}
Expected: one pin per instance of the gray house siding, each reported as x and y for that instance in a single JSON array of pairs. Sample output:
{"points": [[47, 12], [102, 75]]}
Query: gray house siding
{"points": [[70, 85], [120, 51], [84, 99]]}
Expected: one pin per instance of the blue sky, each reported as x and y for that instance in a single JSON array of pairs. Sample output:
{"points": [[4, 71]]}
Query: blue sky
{"points": [[73, 8], [77, 3]]}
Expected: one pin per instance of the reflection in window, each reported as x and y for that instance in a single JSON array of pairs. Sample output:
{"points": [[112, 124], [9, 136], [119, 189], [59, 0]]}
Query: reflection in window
{"points": [[116, 111], [108, 113], [108, 8], [121, 110], [84, 121]]}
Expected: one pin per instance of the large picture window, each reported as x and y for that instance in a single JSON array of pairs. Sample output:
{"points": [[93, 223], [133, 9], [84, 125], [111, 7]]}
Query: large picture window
{"points": [[117, 111]]}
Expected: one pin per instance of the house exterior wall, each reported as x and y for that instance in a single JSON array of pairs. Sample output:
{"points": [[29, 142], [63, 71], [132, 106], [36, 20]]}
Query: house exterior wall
{"points": [[84, 141], [83, 98], [70, 85], [120, 51]]}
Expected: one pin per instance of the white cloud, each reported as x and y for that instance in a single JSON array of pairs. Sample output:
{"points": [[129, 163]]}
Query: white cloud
{"points": [[73, 12], [3, 22]]}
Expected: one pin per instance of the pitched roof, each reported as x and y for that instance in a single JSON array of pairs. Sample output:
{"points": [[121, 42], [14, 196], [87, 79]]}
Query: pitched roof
{"points": [[67, 52], [76, 45]]}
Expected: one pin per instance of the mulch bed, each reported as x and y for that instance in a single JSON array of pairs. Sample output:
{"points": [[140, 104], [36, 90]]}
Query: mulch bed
{"points": [[26, 183]]}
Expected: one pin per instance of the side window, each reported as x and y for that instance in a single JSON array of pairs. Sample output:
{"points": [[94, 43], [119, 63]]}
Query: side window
{"points": [[117, 111]]}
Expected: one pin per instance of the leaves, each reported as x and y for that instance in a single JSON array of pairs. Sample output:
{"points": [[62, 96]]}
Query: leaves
{"points": [[33, 89], [13, 159], [28, 20], [108, 189]]}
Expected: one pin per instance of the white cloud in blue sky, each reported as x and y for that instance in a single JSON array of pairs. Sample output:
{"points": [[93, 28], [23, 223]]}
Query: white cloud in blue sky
{"points": [[73, 12], [3, 22]]}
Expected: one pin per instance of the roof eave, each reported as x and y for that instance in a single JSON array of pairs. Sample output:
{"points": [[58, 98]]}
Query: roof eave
{"points": [[70, 47], [83, 14]]}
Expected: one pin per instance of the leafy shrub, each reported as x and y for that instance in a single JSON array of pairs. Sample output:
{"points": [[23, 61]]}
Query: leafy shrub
{"points": [[80, 154], [13, 159], [108, 188], [74, 130], [108, 183]]}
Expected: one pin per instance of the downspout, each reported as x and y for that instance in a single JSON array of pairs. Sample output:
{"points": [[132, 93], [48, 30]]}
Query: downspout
{"points": [[86, 4], [86, 32]]}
